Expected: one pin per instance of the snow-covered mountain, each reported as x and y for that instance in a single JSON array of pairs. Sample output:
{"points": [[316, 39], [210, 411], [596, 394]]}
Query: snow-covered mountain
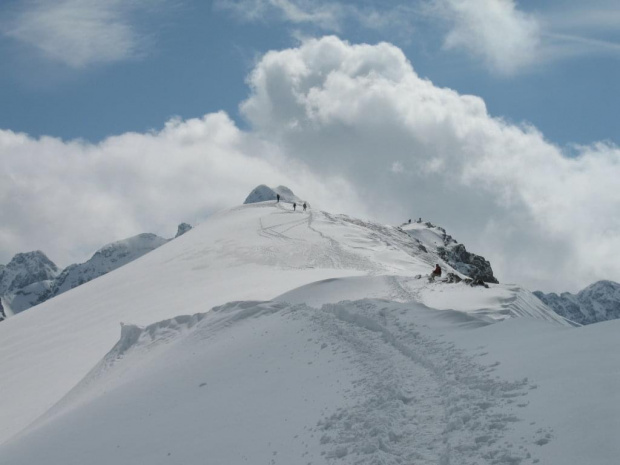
{"points": [[106, 259], [25, 269], [598, 302], [266, 335], [32, 278], [23, 280]]}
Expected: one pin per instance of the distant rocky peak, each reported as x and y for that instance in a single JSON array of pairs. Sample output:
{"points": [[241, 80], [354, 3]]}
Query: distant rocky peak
{"points": [[134, 244], [35, 258], [601, 288], [600, 301], [25, 269], [182, 229]]}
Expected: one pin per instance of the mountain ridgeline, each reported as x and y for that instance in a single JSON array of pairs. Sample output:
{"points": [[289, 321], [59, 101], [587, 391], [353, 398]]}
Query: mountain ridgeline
{"points": [[597, 302], [32, 278]]}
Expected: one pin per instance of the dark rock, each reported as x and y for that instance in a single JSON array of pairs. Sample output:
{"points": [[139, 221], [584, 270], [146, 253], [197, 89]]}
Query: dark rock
{"points": [[467, 263], [453, 278], [182, 229]]}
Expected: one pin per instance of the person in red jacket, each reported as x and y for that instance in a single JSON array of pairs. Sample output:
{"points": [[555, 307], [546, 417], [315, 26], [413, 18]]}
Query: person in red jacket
{"points": [[436, 272]]}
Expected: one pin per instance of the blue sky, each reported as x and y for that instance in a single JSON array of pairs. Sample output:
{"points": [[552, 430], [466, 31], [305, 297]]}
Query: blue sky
{"points": [[496, 119], [193, 57]]}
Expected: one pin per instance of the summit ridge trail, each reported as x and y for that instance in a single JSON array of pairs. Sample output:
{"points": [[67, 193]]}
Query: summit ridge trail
{"points": [[419, 399]]}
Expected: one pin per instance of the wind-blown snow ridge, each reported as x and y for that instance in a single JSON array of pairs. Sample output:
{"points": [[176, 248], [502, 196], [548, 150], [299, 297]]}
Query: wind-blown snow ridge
{"points": [[406, 397]]}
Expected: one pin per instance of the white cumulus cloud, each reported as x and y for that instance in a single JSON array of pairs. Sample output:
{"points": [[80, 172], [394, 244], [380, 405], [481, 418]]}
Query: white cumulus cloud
{"points": [[351, 128], [540, 217], [69, 198]]}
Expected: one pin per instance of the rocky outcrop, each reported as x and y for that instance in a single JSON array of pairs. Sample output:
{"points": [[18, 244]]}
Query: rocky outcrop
{"points": [[470, 264], [433, 240], [182, 229], [598, 302]]}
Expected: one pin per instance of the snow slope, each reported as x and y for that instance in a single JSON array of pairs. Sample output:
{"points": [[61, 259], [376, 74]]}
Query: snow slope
{"points": [[360, 382], [364, 381]]}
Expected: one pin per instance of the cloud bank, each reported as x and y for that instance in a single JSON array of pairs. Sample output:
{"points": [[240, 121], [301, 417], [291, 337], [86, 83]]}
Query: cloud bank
{"points": [[352, 128], [413, 149], [70, 198], [495, 32], [499, 34]]}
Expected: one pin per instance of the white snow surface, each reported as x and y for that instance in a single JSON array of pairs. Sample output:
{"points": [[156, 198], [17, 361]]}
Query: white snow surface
{"points": [[323, 347]]}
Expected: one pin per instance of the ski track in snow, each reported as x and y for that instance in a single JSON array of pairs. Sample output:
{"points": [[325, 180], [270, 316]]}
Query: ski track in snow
{"points": [[315, 255], [419, 400]]}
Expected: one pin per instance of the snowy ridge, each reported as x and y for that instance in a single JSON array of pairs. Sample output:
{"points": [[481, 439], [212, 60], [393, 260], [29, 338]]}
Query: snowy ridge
{"points": [[251, 252], [485, 305], [405, 396], [314, 337], [133, 339]]}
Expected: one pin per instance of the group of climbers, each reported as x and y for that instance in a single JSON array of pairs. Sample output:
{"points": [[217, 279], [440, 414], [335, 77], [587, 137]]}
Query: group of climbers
{"points": [[294, 203]]}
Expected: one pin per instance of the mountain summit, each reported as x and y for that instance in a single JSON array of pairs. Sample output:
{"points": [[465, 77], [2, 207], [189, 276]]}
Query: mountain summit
{"points": [[25, 269], [264, 193]]}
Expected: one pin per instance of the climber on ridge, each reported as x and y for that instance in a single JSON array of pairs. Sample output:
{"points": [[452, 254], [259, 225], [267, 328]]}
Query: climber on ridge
{"points": [[436, 273]]}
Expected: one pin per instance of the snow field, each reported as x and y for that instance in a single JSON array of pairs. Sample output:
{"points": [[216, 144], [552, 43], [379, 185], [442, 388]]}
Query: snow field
{"points": [[355, 382]]}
